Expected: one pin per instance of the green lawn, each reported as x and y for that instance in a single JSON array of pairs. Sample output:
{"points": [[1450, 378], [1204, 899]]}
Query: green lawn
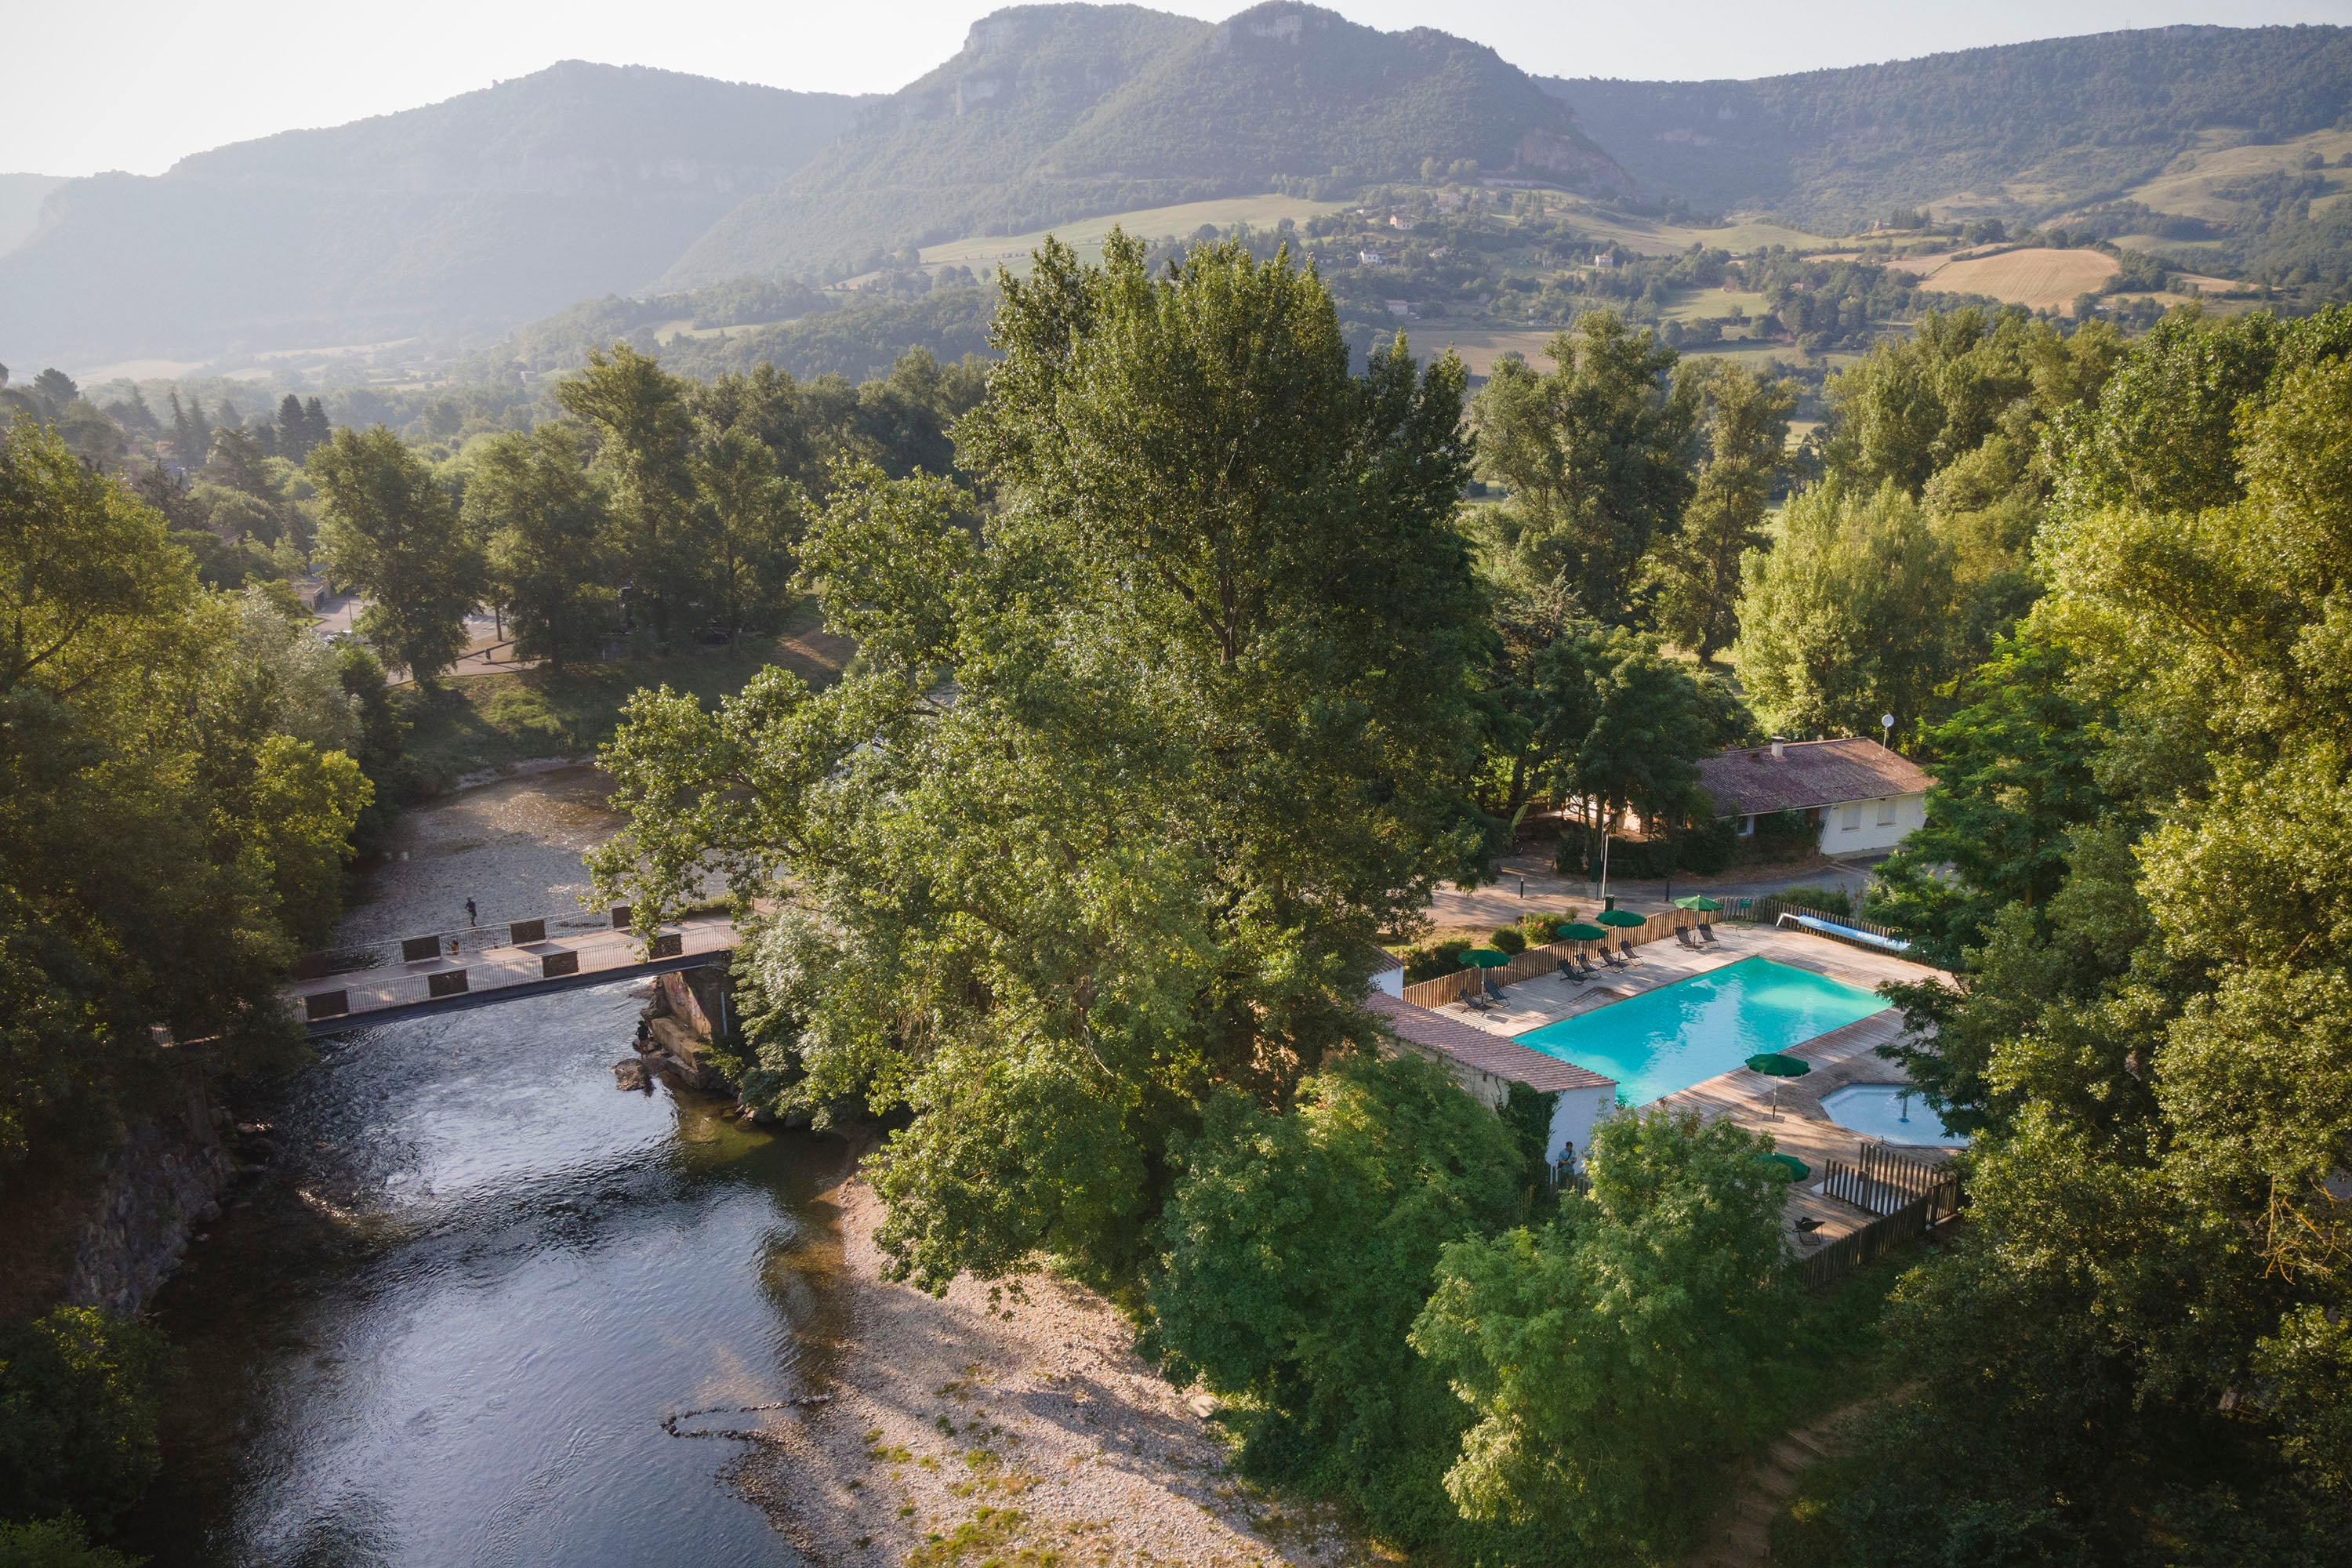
{"points": [[484, 721]]}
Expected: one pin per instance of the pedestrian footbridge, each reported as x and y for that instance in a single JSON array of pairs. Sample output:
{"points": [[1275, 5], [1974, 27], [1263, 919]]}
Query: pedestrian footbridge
{"points": [[385, 979]]}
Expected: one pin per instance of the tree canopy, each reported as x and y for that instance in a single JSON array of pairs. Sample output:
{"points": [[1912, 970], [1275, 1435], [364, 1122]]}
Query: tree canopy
{"points": [[1125, 781]]}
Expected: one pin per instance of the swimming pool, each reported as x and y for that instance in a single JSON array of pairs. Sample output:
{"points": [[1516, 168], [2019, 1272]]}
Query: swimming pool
{"points": [[1893, 1112], [1672, 1037]]}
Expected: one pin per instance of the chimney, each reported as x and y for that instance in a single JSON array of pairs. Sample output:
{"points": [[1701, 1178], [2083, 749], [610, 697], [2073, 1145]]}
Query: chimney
{"points": [[1776, 748]]}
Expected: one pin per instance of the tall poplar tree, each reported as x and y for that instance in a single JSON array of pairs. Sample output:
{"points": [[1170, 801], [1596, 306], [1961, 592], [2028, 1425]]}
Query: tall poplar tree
{"points": [[390, 531], [1121, 787]]}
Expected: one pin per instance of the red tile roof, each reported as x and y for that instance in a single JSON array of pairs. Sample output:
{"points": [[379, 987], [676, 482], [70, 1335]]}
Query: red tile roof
{"points": [[1751, 780], [1475, 1047]]}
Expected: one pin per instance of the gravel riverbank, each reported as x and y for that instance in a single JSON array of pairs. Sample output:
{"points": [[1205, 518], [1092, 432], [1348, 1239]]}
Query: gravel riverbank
{"points": [[956, 1433]]}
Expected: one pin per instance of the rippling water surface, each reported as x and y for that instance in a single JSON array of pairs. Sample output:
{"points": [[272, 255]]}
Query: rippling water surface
{"points": [[450, 1336]]}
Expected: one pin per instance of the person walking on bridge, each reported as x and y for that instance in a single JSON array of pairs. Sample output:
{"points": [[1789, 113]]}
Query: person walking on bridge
{"points": [[472, 919]]}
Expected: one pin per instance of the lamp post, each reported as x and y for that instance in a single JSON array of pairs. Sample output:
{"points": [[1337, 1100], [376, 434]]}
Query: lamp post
{"points": [[1887, 726]]}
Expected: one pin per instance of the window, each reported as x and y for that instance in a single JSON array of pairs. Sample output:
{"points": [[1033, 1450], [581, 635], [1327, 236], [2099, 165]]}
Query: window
{"points": [[1850, 817], [1747, 827], [1886, 812]]}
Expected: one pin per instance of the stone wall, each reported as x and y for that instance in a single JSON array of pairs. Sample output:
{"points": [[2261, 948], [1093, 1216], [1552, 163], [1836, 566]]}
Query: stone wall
{"points": [[162, 1179]]}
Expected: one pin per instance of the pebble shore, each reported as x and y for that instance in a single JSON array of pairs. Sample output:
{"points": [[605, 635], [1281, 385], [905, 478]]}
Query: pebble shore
{"points": [[1031, 1434]]}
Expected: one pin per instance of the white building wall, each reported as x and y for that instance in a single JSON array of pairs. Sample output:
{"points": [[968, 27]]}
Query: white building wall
{"points": [[1573, 1115], [1853, 826], [1390, 981]]}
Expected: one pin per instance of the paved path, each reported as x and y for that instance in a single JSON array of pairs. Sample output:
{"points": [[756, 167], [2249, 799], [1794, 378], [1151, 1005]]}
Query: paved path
{"points": [[500, 973]]}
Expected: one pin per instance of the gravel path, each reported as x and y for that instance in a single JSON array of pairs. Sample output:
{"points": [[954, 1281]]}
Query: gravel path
{"points": [[1031, 1434]]}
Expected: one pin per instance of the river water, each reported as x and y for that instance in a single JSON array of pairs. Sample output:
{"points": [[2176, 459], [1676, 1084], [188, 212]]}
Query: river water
{"points": [[446, 1330]]}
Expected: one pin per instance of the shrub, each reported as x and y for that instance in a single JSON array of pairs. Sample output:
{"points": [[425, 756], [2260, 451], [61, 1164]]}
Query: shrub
{"points": [[1542, 929], [1708, 849], [1782, 836], [1509, 939], [1821, 900], [1434, 962], [77, 1397], [55, 1543]]}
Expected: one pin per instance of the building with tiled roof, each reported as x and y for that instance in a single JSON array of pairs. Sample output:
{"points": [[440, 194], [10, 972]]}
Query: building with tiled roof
{"points": [[1863, 797], [1487, 1065]]}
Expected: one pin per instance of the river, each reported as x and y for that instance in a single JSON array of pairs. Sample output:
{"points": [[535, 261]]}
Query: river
{"points": [[445, 1330]]}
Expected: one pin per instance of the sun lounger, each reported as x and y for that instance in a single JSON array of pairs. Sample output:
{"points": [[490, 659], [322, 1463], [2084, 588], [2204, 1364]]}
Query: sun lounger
{"points": [[1611, 959], [1683, 936], [1706, 933], [1626, 948], [1570, 972]]}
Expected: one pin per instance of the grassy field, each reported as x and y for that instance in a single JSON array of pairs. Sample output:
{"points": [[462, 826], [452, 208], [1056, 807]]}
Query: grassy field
{"points": [[484, 723], [2041, 280], [1085, 235], [1700, 304], [2190, 183], [1654, 238]]}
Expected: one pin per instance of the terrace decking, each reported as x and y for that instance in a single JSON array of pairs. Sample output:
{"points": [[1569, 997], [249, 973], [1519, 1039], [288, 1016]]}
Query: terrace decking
{"points": [[1799, 1126]]}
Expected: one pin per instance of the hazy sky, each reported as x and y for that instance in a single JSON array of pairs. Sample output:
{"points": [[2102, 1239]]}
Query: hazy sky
{"points": [[135, 84]]}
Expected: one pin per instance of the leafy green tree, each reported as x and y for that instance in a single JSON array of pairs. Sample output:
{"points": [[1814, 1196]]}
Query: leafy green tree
{"points": [[1610, 1356], [749, 517], [2015, 776], [645, 433], [1846, 617], [1696, 569], [161, 853], [390, 531], [1122, 785], [78, 1392], [545, 527], [1297, 1250], [1596, 458], [2138, 1348]]}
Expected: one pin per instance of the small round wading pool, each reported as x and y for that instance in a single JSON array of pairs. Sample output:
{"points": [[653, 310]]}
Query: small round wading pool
{"points": [[1890, 1113]]}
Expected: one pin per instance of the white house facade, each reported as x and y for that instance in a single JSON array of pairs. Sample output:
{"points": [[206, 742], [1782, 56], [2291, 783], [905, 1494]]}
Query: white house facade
{"points": [[1863, 798]]}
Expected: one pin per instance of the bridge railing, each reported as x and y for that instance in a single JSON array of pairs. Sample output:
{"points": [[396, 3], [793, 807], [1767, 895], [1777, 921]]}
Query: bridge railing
{"points": [[379, 953]]}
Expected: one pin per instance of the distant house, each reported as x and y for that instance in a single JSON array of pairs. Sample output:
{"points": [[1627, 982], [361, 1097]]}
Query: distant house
{"points": [[1371, 259], [1487, 1065], [1398, 307], [1603, 260], [1863, 796], [1397, 220]]}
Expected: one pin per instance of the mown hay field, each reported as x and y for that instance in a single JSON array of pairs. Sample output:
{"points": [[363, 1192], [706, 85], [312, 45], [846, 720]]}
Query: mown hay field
{"points": [[2040, 280]]}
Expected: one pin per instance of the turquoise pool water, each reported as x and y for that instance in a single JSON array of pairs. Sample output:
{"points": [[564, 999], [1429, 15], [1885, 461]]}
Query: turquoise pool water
{"points": [[1672, 1037]]}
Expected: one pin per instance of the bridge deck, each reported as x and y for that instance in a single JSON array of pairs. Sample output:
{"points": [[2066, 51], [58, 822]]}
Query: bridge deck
{"points": [[478, 977]]}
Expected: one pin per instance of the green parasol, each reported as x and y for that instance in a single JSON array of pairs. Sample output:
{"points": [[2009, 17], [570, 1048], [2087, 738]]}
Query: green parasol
{"points": [[1621, 918], [1776, 1066], [1697, 902], [1798, 1170], [1578, 932], [1485, 957]]}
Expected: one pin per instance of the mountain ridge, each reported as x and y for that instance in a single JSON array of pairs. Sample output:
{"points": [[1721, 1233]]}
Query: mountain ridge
{"points": [[2019, 131], [491, 206], [1112, 100]]}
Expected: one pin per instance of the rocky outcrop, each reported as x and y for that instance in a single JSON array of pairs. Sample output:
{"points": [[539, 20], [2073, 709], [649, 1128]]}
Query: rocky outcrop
{"points": [[160, 1180]]}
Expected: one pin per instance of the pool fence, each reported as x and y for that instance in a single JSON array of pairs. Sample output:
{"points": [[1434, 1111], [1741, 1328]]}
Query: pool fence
{"points": [[1908, 1197], [1536, 962]]}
